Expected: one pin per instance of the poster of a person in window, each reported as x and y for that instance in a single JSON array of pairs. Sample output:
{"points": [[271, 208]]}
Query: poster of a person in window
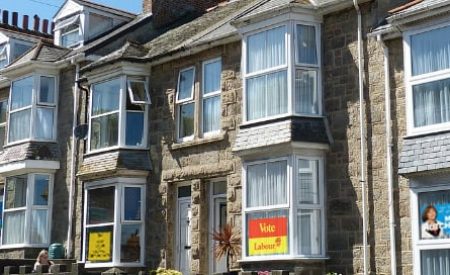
{"points": [[432, 226]]}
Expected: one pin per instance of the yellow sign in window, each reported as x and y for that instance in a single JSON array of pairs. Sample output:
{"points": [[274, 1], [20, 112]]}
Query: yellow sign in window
{"points": [[99, 246]]}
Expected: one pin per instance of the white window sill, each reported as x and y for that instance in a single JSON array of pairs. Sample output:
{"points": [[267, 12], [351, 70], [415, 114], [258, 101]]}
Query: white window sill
{"points": [[283, 258], [277, 118], [99, 265], [11, 144], [115, 148], [201, 141], [18, 246]]}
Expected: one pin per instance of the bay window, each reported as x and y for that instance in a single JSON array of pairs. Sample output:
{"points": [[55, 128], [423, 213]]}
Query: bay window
{"points": [[114, 231], [27, 210], [281, 81], [118, 113], [32, 108], [427, 68], [284, 208]]}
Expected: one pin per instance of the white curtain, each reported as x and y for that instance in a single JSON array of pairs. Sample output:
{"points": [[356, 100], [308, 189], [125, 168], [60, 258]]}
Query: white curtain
{"points": [[21, 93], [13, 228], [47, 90], [308, 185], [256, 97], [306, 99], [44, 123], [306, 45], [19, 127], [211, 114], [431, 103], [430, 51], [105, 97], [266, 49], [308, 225], [277, 94], [267, 184], [212, 72], [39, 232], [435, 262]]}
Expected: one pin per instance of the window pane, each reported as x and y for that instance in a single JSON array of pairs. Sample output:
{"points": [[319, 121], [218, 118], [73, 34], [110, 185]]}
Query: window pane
{"points": [[266, 49], [3, 110], [44, 123], [267, 184], [306, 92], [41, 189], [211, 76], [435, 262], [130, 246], [70, 36], [16, 192], [308, 182], [47, 90], [430, 51], [101, 205], [104, 131], [211, 114], [434, 211], [309, 232], [98, 24], [132, 206], [3, 56], [21, 93], [139, 91], [135, 128], [19, 125], [99, 244], [106, 97], [219, 188], [431, 103], [13, 227], [39, 226], [186, 126], [19, 49], [2, 137], [267, 233], [186, 84], [256, 97], [277, 95], [306, 44]]}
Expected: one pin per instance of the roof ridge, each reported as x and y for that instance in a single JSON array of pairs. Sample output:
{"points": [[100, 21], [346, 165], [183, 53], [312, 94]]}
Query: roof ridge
{"points": [[105, 6]]}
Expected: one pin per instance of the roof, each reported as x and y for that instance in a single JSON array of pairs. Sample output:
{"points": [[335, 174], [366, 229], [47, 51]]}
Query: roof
{"points": [[415, 7], [44, 51], [92, 4], [24, 34]]}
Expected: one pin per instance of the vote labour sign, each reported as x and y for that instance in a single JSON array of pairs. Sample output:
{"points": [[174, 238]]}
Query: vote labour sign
{"points": [[268, 236]]}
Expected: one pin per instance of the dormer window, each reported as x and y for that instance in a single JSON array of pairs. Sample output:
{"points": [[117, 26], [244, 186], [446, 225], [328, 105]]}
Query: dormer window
{"points": [[3, 56], [70, 31], [32, 114]]}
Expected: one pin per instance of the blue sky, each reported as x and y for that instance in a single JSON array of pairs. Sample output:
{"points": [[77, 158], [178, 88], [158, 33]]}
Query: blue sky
{"points": [[47, 8]]}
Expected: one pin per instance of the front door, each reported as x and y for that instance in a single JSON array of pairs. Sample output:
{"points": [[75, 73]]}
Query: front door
{"points": [[218, 219], [183, 244]]}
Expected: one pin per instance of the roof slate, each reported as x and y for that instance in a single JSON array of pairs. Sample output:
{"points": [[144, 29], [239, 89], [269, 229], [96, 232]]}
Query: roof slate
{"points": [[420, 6]]}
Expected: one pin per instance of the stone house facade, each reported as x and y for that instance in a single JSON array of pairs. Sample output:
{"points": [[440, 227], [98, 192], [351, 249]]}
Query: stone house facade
{"points": [[308, 126]]}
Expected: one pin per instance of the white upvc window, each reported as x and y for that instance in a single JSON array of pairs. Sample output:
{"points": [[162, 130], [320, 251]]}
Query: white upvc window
{"points": [[27, 210], [282, 71], [211, 99], [185, 104], [118, 113], [3, 116], [284, 209], [114, 223], [430, 212], [427, 77], [32, 109], [70, 30], [3, 55]]}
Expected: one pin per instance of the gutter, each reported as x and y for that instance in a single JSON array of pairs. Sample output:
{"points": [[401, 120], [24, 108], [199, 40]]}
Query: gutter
{"points": [[362, 137], [389, 145]]}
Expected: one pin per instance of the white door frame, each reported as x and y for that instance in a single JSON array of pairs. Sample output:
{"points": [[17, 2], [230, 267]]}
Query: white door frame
{"points": [[211, 223], [177, 247]]}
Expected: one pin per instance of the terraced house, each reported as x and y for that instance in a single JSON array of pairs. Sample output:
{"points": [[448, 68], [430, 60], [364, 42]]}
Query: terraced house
{"points": [[316, 129]]}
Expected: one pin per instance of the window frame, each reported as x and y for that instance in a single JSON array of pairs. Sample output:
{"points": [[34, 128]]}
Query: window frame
{"points": [[35, 105], [185, 101], [291, 51], [411, 81], [203, 97], [131, 94], [28, 208], [291, 207], [122, 114], [4, 51], [119, 185], [4, 124]]}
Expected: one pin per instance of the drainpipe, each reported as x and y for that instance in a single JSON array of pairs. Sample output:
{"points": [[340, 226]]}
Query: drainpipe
{"points": [[389, 145], [362, 136], [73, 162]]}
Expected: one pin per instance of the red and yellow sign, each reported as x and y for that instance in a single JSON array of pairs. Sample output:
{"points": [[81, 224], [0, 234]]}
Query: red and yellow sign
{"points": [[267, 236]]}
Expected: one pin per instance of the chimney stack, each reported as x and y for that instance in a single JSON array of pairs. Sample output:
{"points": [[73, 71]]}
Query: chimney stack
{"points": [[15, 18], [25, 22], [36, 23], [5, 17], [45, 26]]}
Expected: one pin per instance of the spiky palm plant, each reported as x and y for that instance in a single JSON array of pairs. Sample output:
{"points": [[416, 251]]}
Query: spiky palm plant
{"points": [[227, 243]]}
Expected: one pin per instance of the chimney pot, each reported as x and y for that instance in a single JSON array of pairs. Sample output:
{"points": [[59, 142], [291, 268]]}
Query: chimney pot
{"points": [[45, 26], [5, 17], [36, 23], [15, 18], [25, 22]]}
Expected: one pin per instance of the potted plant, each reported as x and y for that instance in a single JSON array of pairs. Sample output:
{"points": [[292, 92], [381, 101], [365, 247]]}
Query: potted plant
{"points": [[163, 271], [228, 244]]}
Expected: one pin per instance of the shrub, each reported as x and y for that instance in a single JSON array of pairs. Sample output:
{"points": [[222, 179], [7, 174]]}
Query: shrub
{"points": [[163, 271]]}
